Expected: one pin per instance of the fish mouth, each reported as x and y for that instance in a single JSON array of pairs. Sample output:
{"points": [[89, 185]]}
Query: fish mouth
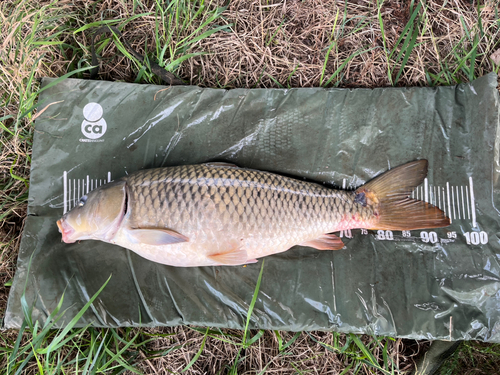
{"points": [[66, 231]]}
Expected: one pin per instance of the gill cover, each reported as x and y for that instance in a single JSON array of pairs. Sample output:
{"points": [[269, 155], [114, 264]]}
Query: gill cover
{"points": [[97, 215]]}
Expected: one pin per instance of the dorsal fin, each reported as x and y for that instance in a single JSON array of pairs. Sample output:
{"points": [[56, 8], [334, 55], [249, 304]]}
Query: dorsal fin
{"points": [[220, 164]]}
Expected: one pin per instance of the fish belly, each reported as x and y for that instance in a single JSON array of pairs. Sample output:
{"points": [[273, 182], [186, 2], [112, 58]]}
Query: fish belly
{"points": [[197, 251]]}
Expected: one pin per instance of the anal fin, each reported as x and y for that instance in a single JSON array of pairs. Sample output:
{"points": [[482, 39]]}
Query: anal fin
{"points": [[233, 257], [325, 242]]}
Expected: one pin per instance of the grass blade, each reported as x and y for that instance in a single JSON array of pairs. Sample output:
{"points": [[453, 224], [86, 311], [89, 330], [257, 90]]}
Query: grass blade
{"points": [[346, 61], [332, 44], [59, 341], [409, 25], [292, 340], [409, 49], [257, 336], [197, 355], [11, 358], [384, 42], [254, 299]]}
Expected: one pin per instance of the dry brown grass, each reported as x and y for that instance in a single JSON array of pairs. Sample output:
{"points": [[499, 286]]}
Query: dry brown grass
{"points": [[287, 41], [304, 354], [271, 44]]}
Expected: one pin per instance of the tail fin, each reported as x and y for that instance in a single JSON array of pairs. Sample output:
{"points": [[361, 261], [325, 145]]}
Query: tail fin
{"points": [[395, 210]]}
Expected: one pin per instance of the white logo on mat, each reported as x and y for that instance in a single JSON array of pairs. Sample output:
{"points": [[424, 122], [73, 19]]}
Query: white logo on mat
{"points": [[94, 126]]}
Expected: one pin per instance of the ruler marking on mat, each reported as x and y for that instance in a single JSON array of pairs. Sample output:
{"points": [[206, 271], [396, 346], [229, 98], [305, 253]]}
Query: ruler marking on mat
{"points": [[456, 201], [65, 191], [453, 202], [426, 190], [468, 198], [472, 202], [444, 201], [69, 194], [439, 196], [448, 196], [75, 188]]}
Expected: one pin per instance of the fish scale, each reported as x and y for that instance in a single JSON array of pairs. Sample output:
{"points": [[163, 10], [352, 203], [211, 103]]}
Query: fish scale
{"points": [[241, 202]]}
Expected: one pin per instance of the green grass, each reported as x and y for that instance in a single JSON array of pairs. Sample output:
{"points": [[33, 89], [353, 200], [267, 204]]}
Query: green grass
{"points": [[48, 40], [473, 358], [460, 63], [87, 350]]}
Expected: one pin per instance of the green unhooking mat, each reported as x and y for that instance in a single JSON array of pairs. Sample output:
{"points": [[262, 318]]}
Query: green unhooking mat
{"points": [[433, 284]]}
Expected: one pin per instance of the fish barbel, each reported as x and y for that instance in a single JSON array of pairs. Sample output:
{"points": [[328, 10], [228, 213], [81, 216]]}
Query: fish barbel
{"points": [[219, 214]]}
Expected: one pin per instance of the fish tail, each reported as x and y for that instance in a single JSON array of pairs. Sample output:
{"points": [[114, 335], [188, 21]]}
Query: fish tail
{"points": [[389, 195]]}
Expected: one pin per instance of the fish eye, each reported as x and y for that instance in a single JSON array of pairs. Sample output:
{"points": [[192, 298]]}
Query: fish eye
{"points": [[82, 201]]}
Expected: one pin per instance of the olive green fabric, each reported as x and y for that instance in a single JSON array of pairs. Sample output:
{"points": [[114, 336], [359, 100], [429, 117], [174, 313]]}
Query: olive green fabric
{"points": [[427, 284]]}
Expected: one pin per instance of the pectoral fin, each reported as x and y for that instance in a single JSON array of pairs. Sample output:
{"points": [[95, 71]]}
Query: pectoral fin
{"points": [[325, 242], [233, 257], [156, 236]]}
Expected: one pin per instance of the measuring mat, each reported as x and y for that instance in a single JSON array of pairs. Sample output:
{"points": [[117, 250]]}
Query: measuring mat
{"points": [[424, 284]]}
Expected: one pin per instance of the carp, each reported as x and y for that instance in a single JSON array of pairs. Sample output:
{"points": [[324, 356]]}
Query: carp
{"points": [[220, 214]]}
